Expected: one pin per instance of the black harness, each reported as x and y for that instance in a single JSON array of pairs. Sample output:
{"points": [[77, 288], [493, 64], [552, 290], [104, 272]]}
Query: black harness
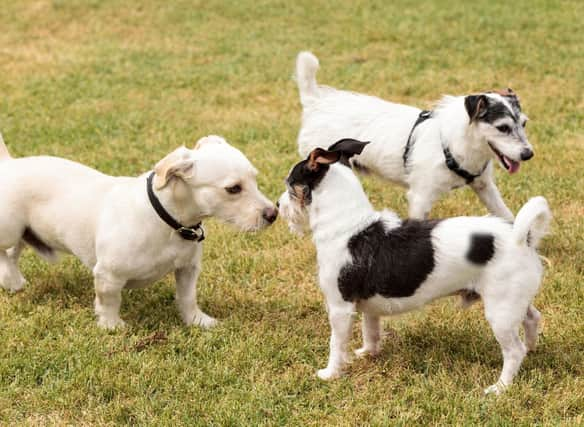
{"points": [[424, 115], [449, 159], [453, 165], [195, 232]]}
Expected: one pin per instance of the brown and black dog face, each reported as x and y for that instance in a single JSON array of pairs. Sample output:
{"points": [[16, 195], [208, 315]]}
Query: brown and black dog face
{"points": [[307, 174]]}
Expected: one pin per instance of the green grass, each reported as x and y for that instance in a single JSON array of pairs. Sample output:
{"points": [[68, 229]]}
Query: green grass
{"points": [[117, 84]]}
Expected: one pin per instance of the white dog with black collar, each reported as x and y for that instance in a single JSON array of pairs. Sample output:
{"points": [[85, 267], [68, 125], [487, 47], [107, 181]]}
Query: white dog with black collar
{"points": [[112, 226], [377, 264], [430, 155]]}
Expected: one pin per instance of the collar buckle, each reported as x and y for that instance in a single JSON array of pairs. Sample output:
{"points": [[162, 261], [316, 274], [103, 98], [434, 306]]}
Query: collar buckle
{"points": [[192, 233]]}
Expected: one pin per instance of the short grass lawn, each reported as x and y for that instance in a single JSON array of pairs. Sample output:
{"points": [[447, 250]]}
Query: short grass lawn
{"points": [[118, 84]]}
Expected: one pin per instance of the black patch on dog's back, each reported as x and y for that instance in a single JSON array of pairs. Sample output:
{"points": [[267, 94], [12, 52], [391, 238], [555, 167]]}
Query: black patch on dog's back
{"points": [[392, 263], [482, 248], [30, 237]]}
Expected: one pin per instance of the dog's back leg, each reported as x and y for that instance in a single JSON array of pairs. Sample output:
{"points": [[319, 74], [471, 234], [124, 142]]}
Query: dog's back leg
{"points": [[10, 277], [530, 324], [108, 298], [15, 251], [371, 336], [505, 319]]}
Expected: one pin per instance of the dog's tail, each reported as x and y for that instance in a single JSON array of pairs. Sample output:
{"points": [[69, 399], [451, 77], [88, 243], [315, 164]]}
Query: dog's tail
{"points": [[4, 154], [306, 68], [532, 222]]}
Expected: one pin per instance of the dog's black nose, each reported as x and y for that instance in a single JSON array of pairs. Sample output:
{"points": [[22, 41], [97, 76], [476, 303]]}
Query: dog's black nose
{"points": [[270, 214], [526, 154]]}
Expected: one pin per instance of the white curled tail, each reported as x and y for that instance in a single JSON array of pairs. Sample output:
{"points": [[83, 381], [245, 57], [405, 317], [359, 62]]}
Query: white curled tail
{"points": [[4, 154], [306, 68], [532, 222]]}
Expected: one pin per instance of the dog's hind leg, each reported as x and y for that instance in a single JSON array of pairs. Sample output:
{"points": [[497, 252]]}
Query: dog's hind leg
{"points": [[530, 324], [505, 325], [371, 336], [108, 299], [10, 277], [341, 319]]}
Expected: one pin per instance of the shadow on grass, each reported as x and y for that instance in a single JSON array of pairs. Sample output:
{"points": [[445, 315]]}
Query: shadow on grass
{"points": [[428, 348]]}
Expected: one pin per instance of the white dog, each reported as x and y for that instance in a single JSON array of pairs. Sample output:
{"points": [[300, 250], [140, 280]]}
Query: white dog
{"points": [[129, 231], [429, 152], [377, 264]]}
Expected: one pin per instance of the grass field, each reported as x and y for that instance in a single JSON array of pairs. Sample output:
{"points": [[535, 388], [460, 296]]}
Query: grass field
{"points": [[117, 84]]}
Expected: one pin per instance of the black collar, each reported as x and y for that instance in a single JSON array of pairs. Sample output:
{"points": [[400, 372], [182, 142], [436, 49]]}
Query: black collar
{"points": [[195, 232], [454, 166], [449, 159]]}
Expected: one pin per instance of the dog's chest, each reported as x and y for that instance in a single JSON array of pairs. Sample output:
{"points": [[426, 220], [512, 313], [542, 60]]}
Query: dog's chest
{"points": [[154, 263]]}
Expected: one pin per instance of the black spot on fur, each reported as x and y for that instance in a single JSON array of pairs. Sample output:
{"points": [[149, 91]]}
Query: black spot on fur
{"points": [[482, 248], [392, 263], [30, 237], [489, 110], [496, 111]]}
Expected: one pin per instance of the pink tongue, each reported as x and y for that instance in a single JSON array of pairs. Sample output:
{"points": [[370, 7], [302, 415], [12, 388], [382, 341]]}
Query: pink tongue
{"points": [[513, 165]]}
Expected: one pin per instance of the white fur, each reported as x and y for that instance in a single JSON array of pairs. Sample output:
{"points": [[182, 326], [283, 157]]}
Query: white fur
{"points": [[330, 115], [110, 225], [507, 283]]}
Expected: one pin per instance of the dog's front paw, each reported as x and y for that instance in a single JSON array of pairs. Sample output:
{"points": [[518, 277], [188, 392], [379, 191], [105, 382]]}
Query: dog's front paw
{"points": [[328, 374], [110, 323], [204, 321], [496, 389], [367, 351]]}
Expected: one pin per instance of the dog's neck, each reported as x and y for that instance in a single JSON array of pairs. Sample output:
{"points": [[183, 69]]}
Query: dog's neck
{"points": [[469, 149], [339, 206], [177, 200]]}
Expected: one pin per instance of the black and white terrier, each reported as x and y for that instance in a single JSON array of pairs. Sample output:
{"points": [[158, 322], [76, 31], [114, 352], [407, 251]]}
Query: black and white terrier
{"points": [[429, 152], [378, 264]]}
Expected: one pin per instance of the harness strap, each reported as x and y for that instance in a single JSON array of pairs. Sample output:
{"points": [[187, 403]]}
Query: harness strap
{"points": [[422, 117]]}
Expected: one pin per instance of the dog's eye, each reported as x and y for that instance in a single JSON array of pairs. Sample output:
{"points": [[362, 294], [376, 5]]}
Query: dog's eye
{"points": [[524, 123], [504, 129], [234, 189]]}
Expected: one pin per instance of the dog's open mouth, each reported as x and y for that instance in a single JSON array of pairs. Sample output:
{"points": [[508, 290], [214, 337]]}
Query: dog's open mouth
{"points": [[510, 166]]}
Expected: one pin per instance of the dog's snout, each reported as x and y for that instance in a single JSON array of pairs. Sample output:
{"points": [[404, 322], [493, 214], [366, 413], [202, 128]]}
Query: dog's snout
{"points": [[270, 214], [526, 154]]}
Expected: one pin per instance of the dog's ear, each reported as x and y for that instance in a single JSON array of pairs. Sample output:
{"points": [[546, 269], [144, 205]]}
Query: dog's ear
{"points": [[348, 147], [476, 106], [209, 139], [320, 156], [178, 164]]}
